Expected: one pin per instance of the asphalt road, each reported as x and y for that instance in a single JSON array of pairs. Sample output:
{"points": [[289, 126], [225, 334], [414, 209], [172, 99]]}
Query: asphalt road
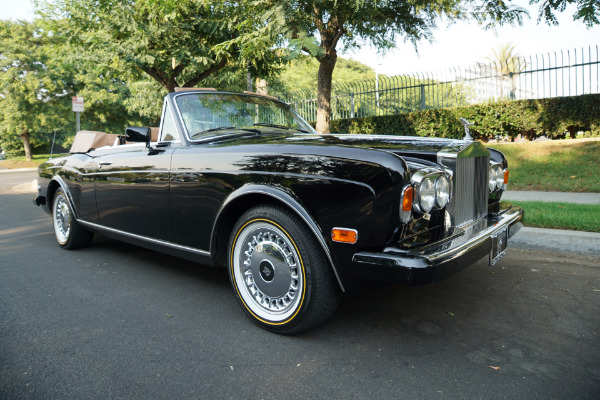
{"points": [[114, 321], [16, 182]]}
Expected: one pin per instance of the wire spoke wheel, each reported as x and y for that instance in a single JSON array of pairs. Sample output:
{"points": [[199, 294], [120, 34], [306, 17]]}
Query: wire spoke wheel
{"points": [[268, 271], [66, 229], [61, 216], [279, 273]]}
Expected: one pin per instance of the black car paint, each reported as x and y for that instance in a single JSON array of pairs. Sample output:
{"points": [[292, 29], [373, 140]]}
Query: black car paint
{"points": [[183, 197], [177, 194]]}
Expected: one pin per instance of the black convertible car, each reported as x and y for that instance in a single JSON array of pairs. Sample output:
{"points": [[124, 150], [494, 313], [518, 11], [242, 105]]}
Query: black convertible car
{"points": [[241, 181]]}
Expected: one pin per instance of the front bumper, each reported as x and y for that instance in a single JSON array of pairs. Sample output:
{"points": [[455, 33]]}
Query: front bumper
{"points": [[39, 200], [438, 260]]}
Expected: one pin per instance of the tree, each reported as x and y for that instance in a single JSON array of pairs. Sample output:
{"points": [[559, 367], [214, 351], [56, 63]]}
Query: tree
{"points": [[587, 10], [33, 84], [175, 42], [300, 75], [507, 63], [351, 21]]}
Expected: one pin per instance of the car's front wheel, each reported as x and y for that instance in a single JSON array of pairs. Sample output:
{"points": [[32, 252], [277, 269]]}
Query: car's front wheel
{"points": [[279, 272], [66, 229]]}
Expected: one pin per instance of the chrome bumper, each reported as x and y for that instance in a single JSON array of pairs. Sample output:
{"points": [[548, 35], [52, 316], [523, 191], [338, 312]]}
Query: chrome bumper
{"points": [[438, 260]]}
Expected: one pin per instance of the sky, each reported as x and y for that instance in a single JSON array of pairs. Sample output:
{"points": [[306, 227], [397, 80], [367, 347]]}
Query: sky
{"points": [[464, 44], [459, 45]]}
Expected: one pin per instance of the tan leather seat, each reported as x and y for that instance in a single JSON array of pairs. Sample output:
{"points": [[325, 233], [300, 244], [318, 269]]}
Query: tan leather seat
{"points": [[153, 134]]}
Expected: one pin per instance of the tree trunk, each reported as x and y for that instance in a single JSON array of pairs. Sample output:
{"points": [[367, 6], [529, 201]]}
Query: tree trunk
{"points": [[26, 145], [324, 78]]}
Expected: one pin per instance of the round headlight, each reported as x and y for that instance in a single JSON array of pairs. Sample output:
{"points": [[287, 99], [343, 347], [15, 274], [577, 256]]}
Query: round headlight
{"points": [[499, 178], [495, 177], [442, 191], [427, 194]]}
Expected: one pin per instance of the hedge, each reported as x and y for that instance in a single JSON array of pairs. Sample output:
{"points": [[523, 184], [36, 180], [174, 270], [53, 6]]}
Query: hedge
{"points": [[554, 118]]}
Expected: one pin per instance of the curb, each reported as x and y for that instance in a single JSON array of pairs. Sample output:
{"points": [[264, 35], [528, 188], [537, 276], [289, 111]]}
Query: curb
{"points": [[557, 240]]}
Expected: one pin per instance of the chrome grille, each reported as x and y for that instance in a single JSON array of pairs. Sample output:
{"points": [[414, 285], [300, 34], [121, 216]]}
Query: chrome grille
{"points": [[470, 189]]}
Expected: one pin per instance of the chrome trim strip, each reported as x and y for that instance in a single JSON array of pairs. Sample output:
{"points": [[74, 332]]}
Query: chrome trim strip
{"points": [[175, 246], [439, 253], [507, 219]]}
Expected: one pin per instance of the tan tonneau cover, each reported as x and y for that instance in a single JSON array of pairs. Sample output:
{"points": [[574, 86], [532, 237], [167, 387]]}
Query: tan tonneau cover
{"points": [[87, 140]]}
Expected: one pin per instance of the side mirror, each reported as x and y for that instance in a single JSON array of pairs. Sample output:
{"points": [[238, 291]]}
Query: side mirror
{"points": [[138, 134]]}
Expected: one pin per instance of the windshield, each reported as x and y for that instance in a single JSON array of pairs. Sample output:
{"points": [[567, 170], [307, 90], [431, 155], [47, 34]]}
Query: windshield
{"points": [[208, 115]]}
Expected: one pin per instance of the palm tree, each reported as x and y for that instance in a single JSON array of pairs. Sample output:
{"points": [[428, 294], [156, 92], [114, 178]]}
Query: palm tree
{"points": [[508, 63]]}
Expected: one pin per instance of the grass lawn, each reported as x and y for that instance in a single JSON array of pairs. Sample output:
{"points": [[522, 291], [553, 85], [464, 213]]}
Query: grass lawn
{"points": [[553, 165], [21, 162], [578, 217]]}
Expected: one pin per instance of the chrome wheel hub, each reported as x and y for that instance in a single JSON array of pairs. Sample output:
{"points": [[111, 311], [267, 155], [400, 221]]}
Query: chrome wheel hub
{"points": [[62, 219], [268, 271]]}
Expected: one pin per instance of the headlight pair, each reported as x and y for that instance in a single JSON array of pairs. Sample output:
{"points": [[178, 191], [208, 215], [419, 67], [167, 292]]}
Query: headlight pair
{"points": [[432, 191], [496, 179]]}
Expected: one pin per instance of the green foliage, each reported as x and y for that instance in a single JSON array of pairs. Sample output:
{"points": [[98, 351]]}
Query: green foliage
{"points": [[554, 117], [587, 10], [350, 22], [176, 43], [33, 85], [434, 123], [300, 75]]}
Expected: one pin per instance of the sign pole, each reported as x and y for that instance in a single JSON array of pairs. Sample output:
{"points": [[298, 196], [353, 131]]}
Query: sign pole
{"points": [[77, 109]]}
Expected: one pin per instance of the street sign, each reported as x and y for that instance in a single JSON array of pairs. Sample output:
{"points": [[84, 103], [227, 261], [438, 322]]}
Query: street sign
{"points": [[77, 104]]}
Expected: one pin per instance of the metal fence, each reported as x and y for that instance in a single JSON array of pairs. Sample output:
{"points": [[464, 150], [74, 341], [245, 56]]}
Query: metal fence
{"points": [[558, 74]]}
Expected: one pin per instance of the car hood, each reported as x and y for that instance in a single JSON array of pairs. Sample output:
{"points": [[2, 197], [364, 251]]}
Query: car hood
{"points": [[425, 148]]}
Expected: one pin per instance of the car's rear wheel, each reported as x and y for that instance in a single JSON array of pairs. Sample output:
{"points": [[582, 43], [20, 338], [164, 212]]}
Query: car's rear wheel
{"points": [[279, 272], [66, 229]]}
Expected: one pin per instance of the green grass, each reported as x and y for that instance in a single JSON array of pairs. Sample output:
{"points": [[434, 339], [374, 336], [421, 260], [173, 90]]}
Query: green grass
{"points": [[578, 217], [21, 161], [557, 165]]}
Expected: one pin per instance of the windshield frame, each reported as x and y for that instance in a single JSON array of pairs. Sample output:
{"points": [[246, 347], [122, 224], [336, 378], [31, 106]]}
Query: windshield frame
{"points": [[219, 136]]}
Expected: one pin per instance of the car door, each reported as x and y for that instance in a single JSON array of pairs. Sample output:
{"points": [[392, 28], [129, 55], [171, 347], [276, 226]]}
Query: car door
{"points": [[132, 185], [132, 192]]}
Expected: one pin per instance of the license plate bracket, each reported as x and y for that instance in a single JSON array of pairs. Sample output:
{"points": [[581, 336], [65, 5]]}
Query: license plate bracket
{"points": [[499, 243]]}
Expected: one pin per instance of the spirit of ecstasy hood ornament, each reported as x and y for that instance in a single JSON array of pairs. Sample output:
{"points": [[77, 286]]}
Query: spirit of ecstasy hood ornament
{"points": [[467, 124]]}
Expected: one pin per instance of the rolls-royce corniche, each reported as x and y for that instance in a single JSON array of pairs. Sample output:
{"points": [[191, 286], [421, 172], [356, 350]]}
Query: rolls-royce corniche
{"points": [[241, 181]]}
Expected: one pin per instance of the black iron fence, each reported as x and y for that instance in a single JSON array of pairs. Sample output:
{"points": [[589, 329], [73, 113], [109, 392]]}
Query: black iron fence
{"points": [[564, 73]]}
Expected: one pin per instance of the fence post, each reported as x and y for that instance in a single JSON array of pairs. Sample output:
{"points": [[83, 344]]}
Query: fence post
{"points": [[422, 97], [351, 105]]}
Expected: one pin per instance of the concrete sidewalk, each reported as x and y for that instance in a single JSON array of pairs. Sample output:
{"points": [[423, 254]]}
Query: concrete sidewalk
{"points": [[555, 197]]}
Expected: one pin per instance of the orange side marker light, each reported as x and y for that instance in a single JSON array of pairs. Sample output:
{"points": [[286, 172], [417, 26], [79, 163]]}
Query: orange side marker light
{"points": [[506, 176], [407, 198], [344, 235]]}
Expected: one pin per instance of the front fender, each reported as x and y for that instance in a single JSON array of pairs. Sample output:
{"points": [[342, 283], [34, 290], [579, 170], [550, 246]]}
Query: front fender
{"points": [[346, 204], [282, 196]]}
